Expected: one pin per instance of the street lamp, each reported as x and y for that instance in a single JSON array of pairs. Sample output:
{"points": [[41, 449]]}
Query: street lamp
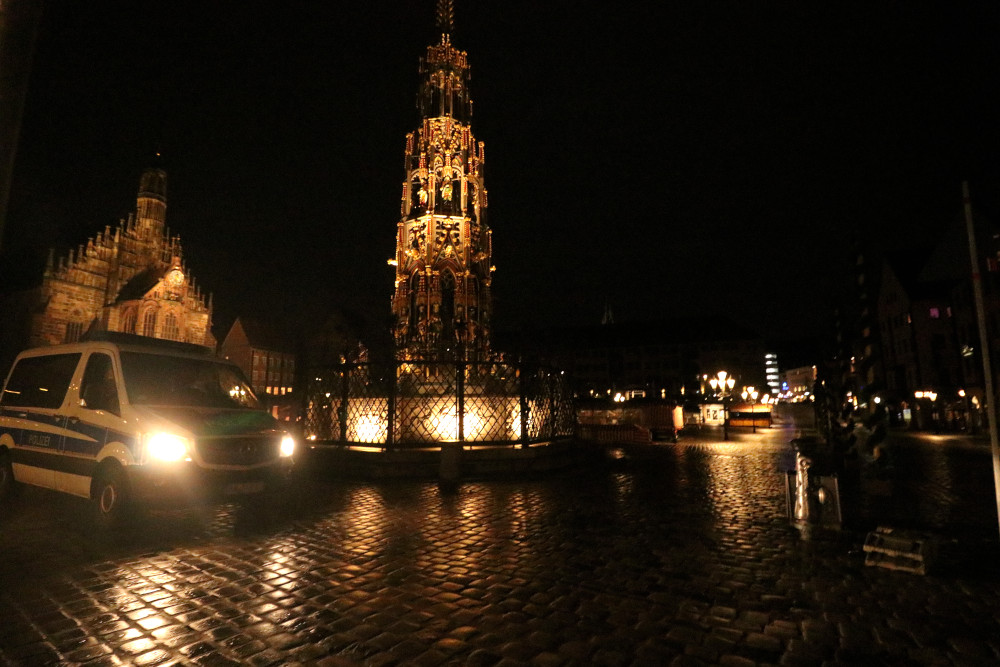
{"points": [[722, 382], [751, 394]]}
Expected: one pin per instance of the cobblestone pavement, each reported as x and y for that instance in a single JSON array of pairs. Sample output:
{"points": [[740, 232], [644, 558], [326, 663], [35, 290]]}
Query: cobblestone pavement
{"points": [[669, 554]]}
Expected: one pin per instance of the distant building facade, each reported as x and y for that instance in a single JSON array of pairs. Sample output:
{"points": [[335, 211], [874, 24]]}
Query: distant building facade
{"points": [[656, 359], [797, 383], [130, 279], [268, 361], [913, 344]]}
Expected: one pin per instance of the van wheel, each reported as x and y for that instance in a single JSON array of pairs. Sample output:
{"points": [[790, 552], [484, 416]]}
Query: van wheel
{"points": [[6, 475], [111, 497]]}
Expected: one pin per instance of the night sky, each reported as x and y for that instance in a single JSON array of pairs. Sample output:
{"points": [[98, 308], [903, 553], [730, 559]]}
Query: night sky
{"points": [[670, 159]]}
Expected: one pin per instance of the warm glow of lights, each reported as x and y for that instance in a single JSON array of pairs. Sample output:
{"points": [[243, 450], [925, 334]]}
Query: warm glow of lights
{"points": [[287, 446], [444, 425], [515, 423], [370, 428], [722, 381]]}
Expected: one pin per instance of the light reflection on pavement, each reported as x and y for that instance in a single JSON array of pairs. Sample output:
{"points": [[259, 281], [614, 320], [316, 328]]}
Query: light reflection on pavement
{"points": [[666, 551]]}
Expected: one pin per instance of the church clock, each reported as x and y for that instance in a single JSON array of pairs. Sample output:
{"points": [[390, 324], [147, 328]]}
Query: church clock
{"points": [[175, 278]]}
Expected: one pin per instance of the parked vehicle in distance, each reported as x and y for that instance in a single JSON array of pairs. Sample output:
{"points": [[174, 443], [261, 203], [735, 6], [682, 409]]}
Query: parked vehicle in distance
{"points": [[122, 419]]}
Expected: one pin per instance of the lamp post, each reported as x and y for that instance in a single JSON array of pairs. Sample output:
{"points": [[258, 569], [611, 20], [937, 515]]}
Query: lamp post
{"points": [[969, 423], [750, 393], [721, 383], [934, 412]]}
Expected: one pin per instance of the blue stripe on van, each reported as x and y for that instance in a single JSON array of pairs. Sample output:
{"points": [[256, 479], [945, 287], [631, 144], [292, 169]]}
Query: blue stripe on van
{"points": [[89, 439], [54, 461], [84, 438], [43, 418], [77, 436], [34, 429]]}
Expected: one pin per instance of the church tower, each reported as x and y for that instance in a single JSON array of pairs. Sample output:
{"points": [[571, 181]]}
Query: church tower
{"points": [[151, 204], [442, 302]]}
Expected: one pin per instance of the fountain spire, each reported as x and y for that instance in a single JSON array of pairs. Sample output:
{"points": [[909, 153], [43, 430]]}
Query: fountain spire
{"points": [[446, 16]]}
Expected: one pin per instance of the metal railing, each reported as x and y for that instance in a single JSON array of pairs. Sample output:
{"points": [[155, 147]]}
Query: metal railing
{"points": [[426, 403]]}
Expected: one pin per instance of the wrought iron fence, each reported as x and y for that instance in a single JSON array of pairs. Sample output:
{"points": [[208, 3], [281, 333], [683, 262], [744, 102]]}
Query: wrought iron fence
{"points": [[425, 403]]}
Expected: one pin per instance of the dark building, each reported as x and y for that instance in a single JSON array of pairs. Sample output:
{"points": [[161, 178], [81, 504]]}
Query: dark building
{"points": [[670, 358], [910, 337]]}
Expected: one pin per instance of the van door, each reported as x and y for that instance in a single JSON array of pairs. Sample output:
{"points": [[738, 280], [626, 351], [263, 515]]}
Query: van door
{"points": [[30, 406], [97, 410]]}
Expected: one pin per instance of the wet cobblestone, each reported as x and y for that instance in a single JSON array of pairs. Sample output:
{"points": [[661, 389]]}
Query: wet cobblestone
{"points": [[668, 555]]}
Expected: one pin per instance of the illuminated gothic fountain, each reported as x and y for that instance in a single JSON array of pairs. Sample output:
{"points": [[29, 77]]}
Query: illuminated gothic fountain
{"points": [[445, 384]]}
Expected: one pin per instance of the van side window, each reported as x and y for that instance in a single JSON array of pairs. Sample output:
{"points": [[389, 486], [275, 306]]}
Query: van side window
{"points": [[98, 389], [40, 382]]}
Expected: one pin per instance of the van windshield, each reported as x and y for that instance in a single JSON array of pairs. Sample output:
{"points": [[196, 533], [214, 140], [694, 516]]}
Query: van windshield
{"points": [[161, 380]]}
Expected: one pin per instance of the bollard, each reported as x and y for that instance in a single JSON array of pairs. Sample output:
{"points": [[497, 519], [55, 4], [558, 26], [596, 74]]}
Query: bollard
{"points": [[449, 470], [803, 499], [813, 498]]}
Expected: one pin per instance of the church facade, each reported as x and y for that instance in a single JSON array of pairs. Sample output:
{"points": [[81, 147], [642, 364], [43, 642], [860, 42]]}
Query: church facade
{"points": [[441, 301], [130, 279]]}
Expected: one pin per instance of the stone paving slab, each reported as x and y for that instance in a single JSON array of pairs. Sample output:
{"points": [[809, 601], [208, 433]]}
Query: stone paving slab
{"points": [[669, 555]]}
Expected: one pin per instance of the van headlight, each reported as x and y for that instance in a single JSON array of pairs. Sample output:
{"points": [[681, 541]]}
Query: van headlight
{"points": [[287, 446], [164, 446]]}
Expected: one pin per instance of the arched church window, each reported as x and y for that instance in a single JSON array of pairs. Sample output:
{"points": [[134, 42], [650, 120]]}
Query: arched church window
{"points": [[149, 323], [171, 331], [128, 321]]}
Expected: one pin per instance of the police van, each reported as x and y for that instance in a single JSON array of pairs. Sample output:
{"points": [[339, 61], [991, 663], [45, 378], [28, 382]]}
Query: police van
{"points": [[120, 419]]}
